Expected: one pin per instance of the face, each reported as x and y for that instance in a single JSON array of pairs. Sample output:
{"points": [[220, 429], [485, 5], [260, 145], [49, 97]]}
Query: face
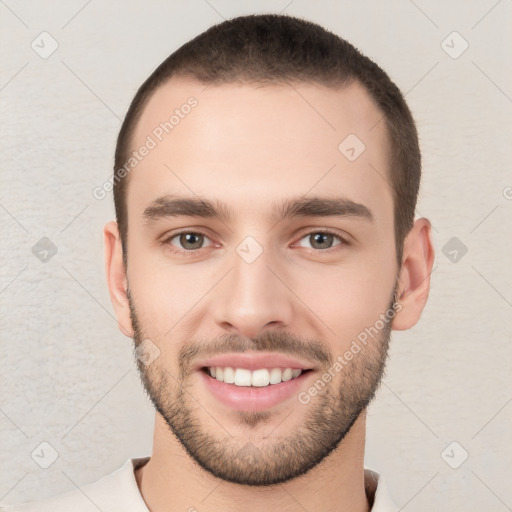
{"points": [[261, 270]]}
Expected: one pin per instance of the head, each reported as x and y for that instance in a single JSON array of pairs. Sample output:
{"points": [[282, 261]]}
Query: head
{"points": [[271, 49], [269, 221]]}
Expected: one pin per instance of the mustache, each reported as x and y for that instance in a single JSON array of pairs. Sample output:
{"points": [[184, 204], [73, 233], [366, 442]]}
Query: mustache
{"points": [[277, 341]]}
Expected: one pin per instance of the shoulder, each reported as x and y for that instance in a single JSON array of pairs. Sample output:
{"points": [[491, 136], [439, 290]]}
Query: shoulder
{"points": [[72, 500], [115, 492], [377, 492]]}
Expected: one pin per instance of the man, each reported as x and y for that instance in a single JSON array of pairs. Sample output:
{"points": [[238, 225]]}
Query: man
{"points": [[265, 184]]}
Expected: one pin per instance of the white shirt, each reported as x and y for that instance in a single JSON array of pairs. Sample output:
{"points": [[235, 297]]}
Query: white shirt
{"points": [[118, 492]]}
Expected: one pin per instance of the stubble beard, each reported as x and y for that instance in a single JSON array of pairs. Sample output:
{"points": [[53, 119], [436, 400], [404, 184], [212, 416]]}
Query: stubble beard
{"points": [[266, 460]]}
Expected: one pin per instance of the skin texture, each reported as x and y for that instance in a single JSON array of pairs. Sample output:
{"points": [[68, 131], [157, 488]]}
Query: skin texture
{"points": [[249, 147]]}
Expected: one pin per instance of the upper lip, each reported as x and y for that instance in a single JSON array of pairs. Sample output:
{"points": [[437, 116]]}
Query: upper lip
{"points": [[254, 361]]}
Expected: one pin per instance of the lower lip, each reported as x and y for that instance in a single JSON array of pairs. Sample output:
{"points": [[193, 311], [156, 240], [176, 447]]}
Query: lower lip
{"points": [[253, 398]]}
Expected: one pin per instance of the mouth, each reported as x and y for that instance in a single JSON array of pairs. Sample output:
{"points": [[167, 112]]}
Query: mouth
{"points": [[258, 378], [253, 381]]}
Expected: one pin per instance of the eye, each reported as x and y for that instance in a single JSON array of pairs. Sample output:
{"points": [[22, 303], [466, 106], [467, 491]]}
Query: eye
{"points": [[322, 240], [188, 241], [191, 241]]}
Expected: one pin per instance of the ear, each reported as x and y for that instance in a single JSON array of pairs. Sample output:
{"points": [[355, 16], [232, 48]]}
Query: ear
{"points": [[414, 276], [116, 277]]}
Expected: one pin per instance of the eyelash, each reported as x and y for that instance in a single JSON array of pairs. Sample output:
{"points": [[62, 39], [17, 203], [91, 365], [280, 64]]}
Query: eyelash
{"points": [[191, 252]]}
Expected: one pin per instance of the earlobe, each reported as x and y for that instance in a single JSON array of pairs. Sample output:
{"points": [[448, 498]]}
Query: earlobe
{"points": [[414, 277], [116, 277]]}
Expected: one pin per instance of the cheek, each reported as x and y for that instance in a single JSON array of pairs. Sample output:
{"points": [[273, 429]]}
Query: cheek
{"points": [[348, 298], [168, 295]]}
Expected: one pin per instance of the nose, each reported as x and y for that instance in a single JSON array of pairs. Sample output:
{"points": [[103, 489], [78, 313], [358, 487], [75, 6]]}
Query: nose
{"points": [[253, 297]]}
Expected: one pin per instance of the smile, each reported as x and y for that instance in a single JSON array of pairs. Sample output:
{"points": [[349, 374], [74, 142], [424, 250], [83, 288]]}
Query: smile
{"points": [[256, 378]]}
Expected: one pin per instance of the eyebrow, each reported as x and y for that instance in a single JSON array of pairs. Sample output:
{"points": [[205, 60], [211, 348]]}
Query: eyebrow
{"points": [[175, 206]]}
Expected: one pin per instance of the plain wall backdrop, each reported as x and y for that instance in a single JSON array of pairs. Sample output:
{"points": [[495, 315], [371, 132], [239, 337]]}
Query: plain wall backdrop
{"points": [[68, 376]]}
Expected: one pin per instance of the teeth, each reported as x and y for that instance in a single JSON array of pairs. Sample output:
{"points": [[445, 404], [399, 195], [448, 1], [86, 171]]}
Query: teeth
{"points": [[275, 376], [287, 374], [242, 377], [257, 378], [229, 375], [260, 378]]}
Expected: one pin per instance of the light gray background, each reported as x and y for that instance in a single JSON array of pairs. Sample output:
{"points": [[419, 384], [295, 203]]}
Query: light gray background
{"points": [[67, 374]]}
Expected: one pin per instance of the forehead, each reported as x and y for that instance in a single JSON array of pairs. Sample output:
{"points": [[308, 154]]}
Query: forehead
{"points": [[246, 145]]}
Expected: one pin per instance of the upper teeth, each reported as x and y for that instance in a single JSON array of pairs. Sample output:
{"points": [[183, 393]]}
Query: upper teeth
{"points": [[259, 378]]}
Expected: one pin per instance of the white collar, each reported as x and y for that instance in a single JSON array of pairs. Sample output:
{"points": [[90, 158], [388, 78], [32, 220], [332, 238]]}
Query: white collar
{"points": [[375, 486]]}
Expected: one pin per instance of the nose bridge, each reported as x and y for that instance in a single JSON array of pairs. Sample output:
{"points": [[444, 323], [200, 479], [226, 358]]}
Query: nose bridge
{"points": [[252, 297]]}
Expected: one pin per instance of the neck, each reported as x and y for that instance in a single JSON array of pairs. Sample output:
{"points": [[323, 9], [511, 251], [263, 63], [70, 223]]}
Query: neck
{"points": [[171, 481]]}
